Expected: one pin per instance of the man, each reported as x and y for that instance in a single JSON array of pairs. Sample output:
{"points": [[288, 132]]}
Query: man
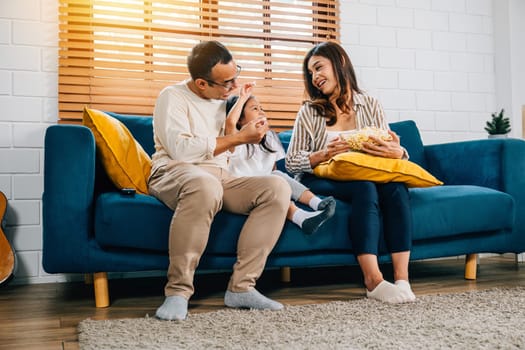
{"points": [[189, 175]]}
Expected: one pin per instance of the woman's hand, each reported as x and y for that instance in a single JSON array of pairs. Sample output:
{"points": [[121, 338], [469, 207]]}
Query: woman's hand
{"points": [[381, 148], [336, 146], [333, 148]]}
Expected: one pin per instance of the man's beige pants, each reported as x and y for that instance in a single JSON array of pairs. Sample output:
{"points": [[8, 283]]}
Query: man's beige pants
{"points": [[196, 194]]}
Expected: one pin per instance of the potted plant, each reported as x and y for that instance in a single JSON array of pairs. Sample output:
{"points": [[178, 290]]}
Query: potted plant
{"points": [[499, 125]]}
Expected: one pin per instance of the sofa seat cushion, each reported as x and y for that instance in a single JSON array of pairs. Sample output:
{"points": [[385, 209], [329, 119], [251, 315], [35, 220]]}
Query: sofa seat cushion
{"points": [[142, 222], [292, 240], [452, 210], [131, 221]]}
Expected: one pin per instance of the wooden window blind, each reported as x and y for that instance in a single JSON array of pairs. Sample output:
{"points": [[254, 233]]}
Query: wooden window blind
{"points": [[116, 55]]}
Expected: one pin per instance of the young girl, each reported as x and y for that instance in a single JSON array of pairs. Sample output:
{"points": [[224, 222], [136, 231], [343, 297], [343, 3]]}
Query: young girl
{"points": [[260, 160]]}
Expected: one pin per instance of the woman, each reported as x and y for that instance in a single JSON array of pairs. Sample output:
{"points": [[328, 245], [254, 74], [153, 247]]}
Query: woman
{"points": [[336, 105]]}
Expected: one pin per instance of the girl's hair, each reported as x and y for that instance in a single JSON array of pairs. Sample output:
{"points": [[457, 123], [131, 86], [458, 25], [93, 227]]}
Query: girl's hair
{"points": [[263, 144], [346, 78]]}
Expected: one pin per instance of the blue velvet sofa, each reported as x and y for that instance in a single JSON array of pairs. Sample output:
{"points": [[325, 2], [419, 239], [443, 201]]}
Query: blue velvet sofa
{"points": [[90, 227]]}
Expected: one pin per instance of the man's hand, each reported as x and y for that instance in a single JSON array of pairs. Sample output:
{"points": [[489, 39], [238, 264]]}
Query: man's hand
{"points": [[254, 131]]}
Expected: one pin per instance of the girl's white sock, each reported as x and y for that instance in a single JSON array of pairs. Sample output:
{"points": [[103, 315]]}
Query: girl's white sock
{"points": [[300, 215], [314, 203], [310, 221]]}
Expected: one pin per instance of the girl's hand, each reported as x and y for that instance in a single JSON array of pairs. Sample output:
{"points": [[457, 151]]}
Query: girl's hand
{"points": [[246, 91], [381, 148], [233, 116]]}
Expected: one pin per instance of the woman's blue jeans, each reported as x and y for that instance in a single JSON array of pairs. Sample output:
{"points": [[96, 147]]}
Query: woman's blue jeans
{"points": [[376, 208]]}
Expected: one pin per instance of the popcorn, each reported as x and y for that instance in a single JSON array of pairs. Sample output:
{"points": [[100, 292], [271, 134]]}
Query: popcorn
{"points": [[356, 138]]}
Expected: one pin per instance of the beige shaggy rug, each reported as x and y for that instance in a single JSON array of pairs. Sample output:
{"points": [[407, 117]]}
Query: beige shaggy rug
{"points": [[489, 319]]}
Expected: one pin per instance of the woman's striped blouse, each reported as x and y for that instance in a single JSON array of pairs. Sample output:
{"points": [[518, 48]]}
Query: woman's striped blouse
{"points": [[309, 131]]}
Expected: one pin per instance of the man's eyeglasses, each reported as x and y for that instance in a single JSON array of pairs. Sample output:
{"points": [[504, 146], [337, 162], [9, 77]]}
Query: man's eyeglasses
{"points": [[228, 83]]}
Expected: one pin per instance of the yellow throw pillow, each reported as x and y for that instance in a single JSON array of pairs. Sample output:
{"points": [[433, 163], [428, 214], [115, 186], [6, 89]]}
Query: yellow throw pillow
{"points": [[124, 159], [360, 166]]}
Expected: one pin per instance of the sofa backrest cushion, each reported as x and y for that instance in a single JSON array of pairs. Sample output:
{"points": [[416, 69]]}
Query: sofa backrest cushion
{"points": [[407, 131], [141, 127], [410, 139]]}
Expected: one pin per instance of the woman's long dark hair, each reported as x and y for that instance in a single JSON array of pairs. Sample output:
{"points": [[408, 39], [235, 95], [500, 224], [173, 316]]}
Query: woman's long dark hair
{"points": [[263, 144], [343, 70]]}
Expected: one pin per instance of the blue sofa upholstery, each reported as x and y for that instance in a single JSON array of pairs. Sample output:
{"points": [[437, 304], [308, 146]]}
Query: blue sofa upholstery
{"points": [[90, 227]]}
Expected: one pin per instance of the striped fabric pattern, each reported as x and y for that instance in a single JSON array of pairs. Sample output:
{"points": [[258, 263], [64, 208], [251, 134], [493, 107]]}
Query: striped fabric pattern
{"points": [[310, 135]]}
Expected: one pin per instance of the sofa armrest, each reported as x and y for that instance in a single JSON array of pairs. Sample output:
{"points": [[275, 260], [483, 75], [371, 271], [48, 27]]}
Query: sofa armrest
{"points": [[67, 201], [493, 163]]}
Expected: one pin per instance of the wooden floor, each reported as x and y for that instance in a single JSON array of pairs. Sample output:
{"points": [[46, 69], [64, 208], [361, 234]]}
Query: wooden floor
{"points": [[45, 316]]}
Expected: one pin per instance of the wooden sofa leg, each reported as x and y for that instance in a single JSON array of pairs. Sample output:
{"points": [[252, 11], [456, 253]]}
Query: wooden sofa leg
{"points": [[100, 282], [286, 274], [471, 265]]}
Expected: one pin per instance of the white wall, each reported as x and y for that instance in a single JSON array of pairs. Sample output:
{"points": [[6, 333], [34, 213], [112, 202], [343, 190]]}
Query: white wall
{"points": [[432, 61], [28, 104], [427, 60], [509, 34]]}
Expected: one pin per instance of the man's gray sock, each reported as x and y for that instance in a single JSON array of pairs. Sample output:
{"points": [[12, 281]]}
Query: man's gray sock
{"points": [[250, 300], [174, 307]]}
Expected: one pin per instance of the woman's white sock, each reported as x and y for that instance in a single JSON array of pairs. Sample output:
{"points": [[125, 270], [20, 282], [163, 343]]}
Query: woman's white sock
{"points": [[386, 292], [405, 288]]}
